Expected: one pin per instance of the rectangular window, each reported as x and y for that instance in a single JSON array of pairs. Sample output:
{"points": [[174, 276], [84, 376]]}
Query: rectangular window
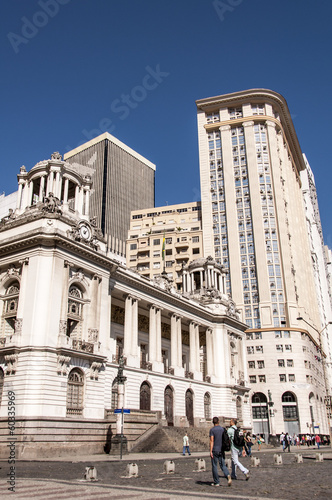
{"points": [[195, 239], [290, 363], [250, 350], [195, 251], [249, 336], [133, 246], [259, 348], [282, 377], [258, 335], [291, 377], [279, 347], [277, 334], [169, 263], [260, 364], [168, 241], [251, 364], [281, 363], [262, 378], [252, 379], [169, 251], [288, 347], [156, 242], [156, 265]]}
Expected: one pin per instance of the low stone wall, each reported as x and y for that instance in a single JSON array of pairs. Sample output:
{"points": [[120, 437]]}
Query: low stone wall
{"points": [[57, 437]]}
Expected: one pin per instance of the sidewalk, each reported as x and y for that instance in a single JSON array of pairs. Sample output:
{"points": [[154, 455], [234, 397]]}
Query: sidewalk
{"points": [[134, 457]]}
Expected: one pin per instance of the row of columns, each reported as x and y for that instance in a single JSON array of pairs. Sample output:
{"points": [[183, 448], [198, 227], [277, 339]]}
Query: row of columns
{"points": [[211, 277], [53, 183], [131, 348]]}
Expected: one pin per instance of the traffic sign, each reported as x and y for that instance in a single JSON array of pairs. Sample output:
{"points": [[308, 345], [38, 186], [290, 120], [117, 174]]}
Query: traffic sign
{"points": [[118, 410]]}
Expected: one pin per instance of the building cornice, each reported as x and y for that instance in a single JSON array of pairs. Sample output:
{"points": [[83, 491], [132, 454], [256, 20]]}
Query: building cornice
{"points": [[260, 96]]}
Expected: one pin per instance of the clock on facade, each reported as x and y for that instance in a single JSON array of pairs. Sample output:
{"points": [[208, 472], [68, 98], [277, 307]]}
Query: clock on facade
{"points": [[85, 232]]}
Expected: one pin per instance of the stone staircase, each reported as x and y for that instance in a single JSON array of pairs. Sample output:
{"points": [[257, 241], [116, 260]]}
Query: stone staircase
{"points": [[170, 440]]}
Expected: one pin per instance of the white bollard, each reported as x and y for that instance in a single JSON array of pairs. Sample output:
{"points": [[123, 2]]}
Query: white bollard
{"points": [[132, 470], [298, 458], [319, 457], [90, 474], [255, 462], [200, 464], [277, 458], [169, 467], [228, 463]]}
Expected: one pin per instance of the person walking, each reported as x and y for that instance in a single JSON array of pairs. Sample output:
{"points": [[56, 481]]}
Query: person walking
{"points": [[217, 453], [236, 450], [318, 440], [186, 444], [287, 442], [248, 444]]}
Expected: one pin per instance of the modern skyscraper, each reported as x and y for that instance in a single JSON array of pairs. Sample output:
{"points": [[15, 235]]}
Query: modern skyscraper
{"points": [[254, 223], [122, 181]]}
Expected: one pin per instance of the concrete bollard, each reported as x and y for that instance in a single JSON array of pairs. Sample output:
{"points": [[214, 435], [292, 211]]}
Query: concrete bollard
{"points": [[298, 458], [319, 457], [255, 462], [90, 474], [132, 470], [228, 463], [200, 464], [277, 459], [169, 467]]}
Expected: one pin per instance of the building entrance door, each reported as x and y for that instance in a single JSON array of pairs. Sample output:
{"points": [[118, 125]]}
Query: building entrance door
{"points": [[190, 407], [168, 405]]}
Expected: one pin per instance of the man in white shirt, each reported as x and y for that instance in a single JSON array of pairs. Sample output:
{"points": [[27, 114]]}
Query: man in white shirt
{"points": [[235, 451]]}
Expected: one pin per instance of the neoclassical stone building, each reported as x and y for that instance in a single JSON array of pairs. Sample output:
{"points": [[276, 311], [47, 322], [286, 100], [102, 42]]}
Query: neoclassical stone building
{"points": [[69, 309]]}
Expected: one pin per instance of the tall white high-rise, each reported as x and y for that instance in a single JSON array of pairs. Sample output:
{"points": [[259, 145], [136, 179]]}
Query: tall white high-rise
{"points": [[254, 223]]}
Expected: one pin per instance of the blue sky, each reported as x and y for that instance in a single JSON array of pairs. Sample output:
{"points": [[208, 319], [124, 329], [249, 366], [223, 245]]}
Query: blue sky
{"points": [[68, 64]]}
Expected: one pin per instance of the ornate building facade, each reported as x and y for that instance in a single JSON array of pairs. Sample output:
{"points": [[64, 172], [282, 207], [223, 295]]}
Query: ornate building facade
{"points": [[69, 310]]}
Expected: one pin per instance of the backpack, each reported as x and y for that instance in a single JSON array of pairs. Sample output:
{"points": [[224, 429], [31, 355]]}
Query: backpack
{"points": [[238, 439], [226, 442]]}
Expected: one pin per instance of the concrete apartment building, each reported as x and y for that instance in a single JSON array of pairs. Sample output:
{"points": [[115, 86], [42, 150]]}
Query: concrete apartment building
{"points": [[123, 180], [254, 223], [180, 225]]}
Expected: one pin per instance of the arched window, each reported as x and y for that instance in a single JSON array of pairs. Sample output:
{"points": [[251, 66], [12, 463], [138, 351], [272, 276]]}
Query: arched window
{"points": [[290, 413], [260, 415], [207, 406], [190, 406], [145, 396], [2, 377], [75, 311], [168, 405], [75, 392], [10, 305]]}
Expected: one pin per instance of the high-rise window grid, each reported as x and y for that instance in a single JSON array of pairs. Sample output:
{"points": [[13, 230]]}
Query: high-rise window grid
{"points": [[245, 230], [269, 223], [218, 202]]}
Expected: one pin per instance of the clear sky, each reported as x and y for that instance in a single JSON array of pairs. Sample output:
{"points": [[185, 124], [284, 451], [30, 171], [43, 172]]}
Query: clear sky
{"points": [[72, 69]]}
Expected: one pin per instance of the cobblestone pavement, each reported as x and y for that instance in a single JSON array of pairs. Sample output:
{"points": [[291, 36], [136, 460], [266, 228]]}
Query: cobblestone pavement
{"points": [[64, 480]]}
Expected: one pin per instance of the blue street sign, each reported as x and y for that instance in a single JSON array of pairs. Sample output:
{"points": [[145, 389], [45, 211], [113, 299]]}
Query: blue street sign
{"points": [[126, 411], [118, 410]]}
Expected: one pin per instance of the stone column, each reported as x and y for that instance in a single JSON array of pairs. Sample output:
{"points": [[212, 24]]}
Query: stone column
{"points": [[198, 374], [155, 339], [87, 201], [41, 188], [63, 340], [174, 342], [77, 193], [209, 353], [19, 195], [130, 345]]}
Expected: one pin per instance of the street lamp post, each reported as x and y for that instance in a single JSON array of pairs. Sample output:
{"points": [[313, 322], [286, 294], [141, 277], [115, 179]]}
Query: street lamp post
{"points": [[327, 398]]}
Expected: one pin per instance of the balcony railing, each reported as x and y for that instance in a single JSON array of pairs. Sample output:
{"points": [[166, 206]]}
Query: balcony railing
{"points": [[145, 365], [74, 411], [81, 345], [116, 359]]}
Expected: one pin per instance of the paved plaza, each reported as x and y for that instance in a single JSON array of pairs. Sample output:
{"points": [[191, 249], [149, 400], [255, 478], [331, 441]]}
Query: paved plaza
{"points": [[64, 478]]}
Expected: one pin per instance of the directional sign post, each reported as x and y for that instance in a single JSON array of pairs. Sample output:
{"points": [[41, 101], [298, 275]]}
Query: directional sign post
{"points": [[122, 411]]}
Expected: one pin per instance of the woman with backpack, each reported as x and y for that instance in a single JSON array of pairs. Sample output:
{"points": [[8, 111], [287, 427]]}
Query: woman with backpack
{"points": [[237, 447]]}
